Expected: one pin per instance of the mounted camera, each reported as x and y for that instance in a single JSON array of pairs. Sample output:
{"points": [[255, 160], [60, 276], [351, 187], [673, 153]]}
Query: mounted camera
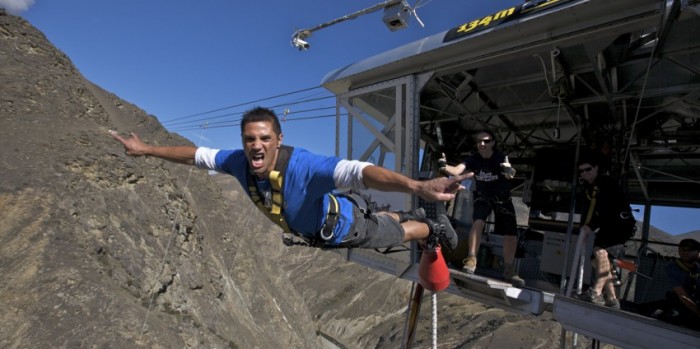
{"points": [[396, 16], [300, 44], [298, 39]]}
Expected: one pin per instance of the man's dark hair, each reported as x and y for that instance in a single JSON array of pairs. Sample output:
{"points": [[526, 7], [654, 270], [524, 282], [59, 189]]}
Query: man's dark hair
{"points": [[488, 132], [689, 244], [258, 114], [588, 157]]}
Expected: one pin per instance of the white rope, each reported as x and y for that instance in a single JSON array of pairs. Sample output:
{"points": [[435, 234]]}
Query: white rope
{"points": [[165, 255], [228, 274], [434, 303], [167, 249]]}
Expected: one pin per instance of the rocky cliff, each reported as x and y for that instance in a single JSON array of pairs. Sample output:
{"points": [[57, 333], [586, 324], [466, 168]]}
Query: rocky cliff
{"points": [[98, 249], [102, 250]]}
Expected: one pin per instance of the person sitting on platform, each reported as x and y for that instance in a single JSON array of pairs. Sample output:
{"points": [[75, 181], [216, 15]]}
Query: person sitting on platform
{"points": [[683, 277]]}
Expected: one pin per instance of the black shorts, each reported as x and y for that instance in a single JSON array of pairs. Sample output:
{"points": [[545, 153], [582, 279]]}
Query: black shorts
{"points": [[504, 213], [606, 237], [369, 230]]}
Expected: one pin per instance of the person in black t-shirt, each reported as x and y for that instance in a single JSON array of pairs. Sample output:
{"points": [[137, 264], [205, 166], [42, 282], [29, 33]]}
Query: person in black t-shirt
{"points": [[492, 173]]}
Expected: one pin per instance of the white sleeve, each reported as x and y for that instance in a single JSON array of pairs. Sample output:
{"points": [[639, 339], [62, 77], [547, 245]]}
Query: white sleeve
{"points": [[205, 158], [348, 174]]}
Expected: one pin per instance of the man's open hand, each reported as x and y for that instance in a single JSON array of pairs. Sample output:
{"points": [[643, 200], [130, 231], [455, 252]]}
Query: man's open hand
{"points": [[507, 170], [443, 188], [133, 146]]}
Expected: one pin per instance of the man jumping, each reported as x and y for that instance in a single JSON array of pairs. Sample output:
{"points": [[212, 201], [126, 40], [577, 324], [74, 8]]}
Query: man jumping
{"points": [[298, 190]]}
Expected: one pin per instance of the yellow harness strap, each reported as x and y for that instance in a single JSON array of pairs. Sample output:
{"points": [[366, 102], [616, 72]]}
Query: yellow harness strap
{"points": [[274, 211], [592, 207], [276, 180]]}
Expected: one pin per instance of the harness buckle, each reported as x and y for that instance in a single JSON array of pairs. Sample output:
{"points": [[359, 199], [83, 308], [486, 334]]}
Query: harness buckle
{"points": [[327, 232]]}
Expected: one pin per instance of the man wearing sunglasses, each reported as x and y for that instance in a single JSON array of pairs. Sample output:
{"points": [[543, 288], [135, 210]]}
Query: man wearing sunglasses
{"points": [[491, 173], [684, 278], [607, 214]]}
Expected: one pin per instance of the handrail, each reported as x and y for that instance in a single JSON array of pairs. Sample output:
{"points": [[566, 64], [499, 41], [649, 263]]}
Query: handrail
{"points": [[578, 256], [637, 259]]}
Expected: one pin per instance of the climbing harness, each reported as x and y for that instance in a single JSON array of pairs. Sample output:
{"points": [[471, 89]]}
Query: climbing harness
{"points": [[492, 201], [593, 196], [273, 205]]}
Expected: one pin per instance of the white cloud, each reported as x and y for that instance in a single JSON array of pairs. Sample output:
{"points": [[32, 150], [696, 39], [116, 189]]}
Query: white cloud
{"points": [[16, 6]]}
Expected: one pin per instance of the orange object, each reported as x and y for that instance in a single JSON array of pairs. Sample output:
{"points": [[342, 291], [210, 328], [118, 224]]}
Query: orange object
{"points": [[433, 274], [627, 265]]}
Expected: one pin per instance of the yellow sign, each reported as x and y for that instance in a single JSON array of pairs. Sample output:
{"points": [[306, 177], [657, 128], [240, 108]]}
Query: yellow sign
{"points": [[502, 16]]}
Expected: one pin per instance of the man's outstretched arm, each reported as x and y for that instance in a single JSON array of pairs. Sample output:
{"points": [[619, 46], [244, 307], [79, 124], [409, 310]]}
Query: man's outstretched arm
{"points": [[448, 169], [686, 300], [437, 189], [134, 146]]}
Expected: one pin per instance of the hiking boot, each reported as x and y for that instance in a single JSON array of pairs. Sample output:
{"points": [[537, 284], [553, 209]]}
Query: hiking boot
{"points": [[612, 303], [469, 264], [441, 232], [589, 296], [415, 215], [509, 274]]}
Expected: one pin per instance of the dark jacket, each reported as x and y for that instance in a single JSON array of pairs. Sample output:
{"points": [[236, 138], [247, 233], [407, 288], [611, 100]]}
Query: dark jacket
{"points": [[611, 214]]}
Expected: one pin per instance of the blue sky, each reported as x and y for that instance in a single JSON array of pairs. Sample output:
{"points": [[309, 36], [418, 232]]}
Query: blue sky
{"points": [[176, 59]]}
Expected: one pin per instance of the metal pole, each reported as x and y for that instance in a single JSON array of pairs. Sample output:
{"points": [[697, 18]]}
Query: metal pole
{"points": [[412, 316]]}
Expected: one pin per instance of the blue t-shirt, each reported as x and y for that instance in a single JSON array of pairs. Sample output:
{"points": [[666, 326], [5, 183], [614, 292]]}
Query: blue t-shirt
{"points": [[307, 183]]}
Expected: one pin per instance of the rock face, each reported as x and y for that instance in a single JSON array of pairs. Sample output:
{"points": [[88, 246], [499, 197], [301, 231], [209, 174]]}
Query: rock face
{"points": [[98, 249], [102, 250]]}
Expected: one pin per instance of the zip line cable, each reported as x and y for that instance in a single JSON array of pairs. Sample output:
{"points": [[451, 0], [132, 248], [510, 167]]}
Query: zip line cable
{"points": [[227, 122], [242, 104], [241, 113], [238, 123], [286, 109], [239, 119]]}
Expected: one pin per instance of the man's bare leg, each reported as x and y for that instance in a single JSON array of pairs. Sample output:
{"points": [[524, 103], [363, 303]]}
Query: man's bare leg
{"points": [[475, 236], [420, 230], [510, 246], [474, 242], [602, 269]]}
